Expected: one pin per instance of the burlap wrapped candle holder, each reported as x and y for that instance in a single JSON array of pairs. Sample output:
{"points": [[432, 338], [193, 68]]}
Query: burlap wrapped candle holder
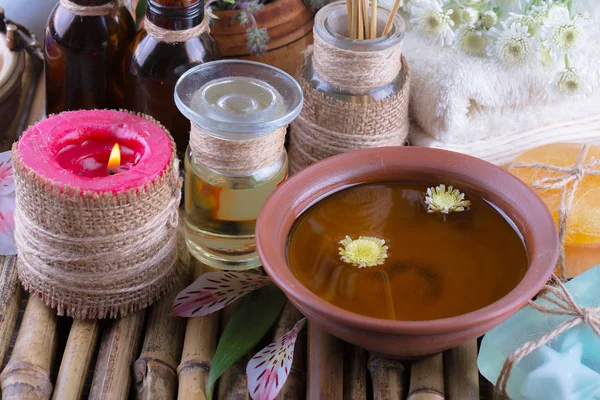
{"points": [[95, 254]]}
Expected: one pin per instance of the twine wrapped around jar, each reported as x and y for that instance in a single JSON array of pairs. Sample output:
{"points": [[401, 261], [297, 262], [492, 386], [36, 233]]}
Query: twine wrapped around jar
{"points": [[355, 91], [327, 127], [97, 255]]}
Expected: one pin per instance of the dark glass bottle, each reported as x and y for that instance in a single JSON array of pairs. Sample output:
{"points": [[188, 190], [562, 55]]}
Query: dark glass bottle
{"points": [[151, 68], [83, 54]]}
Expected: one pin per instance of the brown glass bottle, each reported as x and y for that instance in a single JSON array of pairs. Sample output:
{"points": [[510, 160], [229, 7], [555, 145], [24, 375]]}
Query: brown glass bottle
{"points": [[82, 55], [151, 68]]}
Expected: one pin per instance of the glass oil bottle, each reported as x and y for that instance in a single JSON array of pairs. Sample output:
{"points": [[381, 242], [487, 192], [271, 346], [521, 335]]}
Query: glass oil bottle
{"points": [[236, 104]]}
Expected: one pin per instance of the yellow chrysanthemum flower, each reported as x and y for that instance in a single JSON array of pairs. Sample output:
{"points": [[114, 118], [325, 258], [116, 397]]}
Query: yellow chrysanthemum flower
{"points": [[444, 201], [366, 251]]}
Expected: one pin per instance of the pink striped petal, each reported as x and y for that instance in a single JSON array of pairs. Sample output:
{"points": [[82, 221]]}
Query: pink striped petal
{"points": [[7, 224], [268, 370], [215, 290], [7, 183]]}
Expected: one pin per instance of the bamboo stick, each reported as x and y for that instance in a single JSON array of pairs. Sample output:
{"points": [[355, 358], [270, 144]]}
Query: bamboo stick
{"points": [[10, 298], [295, 386], [373, 19], [76, 360], [155, 370], [198, 350], [390, 21], [233, 384], [427, 379], [388, 377], [355, 373], [27, 374], [119, 345], [462, 375], [325, 365]]}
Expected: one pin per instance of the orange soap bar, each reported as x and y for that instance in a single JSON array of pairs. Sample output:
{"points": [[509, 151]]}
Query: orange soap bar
{"points": [[583, 220]]}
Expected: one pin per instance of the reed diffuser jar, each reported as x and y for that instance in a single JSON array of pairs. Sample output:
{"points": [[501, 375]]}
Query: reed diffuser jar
{"points": [[356, 90], [239, 112]]}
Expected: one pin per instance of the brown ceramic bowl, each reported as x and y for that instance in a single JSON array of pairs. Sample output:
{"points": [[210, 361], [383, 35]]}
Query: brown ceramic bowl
{"points": [[406, 339]]}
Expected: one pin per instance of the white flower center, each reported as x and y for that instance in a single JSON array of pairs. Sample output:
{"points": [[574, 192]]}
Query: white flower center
{"points": [[569, 82], [433, 22], [515, 49], [567, 36]]}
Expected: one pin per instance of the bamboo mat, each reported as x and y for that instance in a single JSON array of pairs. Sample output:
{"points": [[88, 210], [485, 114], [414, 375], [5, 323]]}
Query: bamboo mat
{"points": [[153, 355]]}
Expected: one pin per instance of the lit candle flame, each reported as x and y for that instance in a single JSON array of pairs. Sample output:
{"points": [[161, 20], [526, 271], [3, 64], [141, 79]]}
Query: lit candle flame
{"points": [[114, 161]]}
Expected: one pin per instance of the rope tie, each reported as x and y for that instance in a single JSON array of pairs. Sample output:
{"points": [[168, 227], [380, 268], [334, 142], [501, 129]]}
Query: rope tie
{"points": [[565, 305], [89, 11], [569, 181], [171, 36]]}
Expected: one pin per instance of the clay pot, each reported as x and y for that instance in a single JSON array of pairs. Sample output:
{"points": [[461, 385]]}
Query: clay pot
{"points": [[289, 24], [406, 339]]}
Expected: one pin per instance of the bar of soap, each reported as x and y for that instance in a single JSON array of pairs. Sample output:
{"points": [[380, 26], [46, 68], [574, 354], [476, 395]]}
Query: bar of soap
{"points": [[566, 368], [583, 223]]}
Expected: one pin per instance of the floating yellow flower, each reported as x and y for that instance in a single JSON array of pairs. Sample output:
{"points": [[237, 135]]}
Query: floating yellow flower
{"points": [[440, 200], [366, 251]]}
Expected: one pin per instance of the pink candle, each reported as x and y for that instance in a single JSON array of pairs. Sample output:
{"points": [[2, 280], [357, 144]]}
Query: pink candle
{"points": [[97, 240], [73, 149]]}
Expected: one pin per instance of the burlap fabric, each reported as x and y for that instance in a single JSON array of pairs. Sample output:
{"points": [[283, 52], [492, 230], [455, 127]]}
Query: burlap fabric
{"points": [[327, 127], [97, 255]]}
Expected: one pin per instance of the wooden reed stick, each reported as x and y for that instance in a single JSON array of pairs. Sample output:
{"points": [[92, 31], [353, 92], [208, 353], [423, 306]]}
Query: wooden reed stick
{"points": [[355, 19], [462, 375], [349, 18], [76, 359], [355, 372], [198, 350], [427, 379], [361, 22], [295, 386], [325, 365], [27, 374], [365, 12], [155, 370], [10, 298], [373, 19], [388, 377], [233, 384], [119, 345], [390, 21]]}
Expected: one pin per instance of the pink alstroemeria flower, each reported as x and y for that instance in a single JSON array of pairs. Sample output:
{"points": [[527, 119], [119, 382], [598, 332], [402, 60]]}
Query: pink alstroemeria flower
{"points": [[7, 206], [268, 370]]}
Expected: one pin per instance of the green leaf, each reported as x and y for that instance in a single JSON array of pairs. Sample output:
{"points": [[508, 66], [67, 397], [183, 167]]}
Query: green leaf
{"points": [[255, 315], [140, 12], [229, 1]]}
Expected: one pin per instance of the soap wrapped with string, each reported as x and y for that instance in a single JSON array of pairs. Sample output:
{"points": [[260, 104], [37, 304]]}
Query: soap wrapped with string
{"points": [[567, 178]]}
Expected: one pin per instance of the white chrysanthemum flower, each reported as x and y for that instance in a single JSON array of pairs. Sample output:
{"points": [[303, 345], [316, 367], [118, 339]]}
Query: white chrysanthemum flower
{"points": [[570, 82], [489, 19], [471, 40], [556, 11], [444, 201], [431, 20], [366, 251], [539, 13], [513, 46], [511, 5], [563, 34], [525, 20], [469, 16]]}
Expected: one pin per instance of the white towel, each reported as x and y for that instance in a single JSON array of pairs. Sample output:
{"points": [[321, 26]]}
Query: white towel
{"points": [[470, 103]]}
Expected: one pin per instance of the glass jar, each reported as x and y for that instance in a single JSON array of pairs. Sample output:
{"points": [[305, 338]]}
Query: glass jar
{"points": [[241, 107], [152, 67], [82, 56], [331, 28]]}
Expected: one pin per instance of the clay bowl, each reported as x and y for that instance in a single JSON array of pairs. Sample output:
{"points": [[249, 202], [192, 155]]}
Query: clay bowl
{"points": [[406, 339]]}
